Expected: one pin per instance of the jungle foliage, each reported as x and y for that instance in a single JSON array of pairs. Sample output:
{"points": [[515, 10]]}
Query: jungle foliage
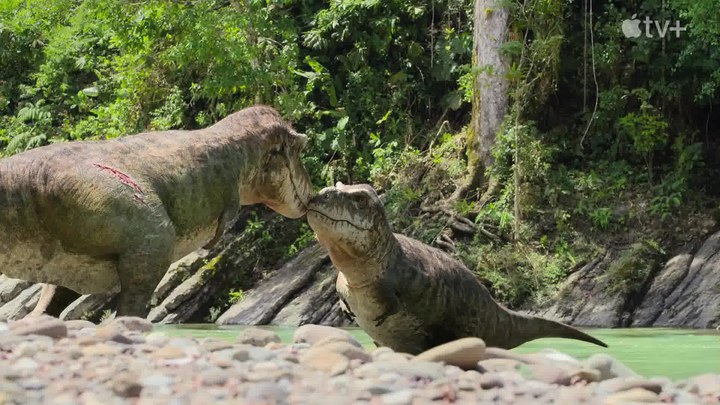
{"points": [[606, 135]]}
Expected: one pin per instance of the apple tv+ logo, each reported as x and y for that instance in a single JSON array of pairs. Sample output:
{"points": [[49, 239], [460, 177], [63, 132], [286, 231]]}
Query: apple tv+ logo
{"points": [[631, 27]]}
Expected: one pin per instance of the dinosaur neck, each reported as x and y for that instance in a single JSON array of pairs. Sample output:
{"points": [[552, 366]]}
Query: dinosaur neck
{"points": [[366, 269]]}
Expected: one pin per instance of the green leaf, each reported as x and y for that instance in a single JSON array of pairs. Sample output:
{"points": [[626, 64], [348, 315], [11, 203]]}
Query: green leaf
{"points": [[383, 119], [342, 123]]}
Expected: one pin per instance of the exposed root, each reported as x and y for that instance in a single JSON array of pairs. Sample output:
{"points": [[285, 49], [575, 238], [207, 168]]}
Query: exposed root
{"points": [[460, 223]]}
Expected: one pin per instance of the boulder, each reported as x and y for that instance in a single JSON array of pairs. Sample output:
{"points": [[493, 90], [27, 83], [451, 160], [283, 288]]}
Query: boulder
{"points": [[584, 298], [695, 301], [661, 287], [22, 304], [262, 304]]}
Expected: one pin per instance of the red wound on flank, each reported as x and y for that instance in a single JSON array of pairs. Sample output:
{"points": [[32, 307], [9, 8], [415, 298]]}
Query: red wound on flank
{"points": [[124, 178]]}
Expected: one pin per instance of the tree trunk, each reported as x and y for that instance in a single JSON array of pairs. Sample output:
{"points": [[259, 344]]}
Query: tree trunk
{"points": [[490, 99]]}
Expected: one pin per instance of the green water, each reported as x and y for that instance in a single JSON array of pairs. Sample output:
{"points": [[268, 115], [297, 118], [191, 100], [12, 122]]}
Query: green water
{"points": [[675, 353]]}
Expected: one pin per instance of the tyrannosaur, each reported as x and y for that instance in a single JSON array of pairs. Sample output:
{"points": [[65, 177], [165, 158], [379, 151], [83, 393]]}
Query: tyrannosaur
{"points": [[405, 294], [98, 216]]}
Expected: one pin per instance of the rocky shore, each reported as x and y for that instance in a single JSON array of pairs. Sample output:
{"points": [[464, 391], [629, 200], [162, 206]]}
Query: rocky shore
{"points": [[44, 360]]}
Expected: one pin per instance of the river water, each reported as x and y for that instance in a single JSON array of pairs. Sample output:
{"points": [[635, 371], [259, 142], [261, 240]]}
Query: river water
{"points": [[675, 353]]}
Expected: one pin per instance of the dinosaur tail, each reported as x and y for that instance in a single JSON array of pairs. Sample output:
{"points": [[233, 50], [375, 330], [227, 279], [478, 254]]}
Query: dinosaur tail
{"points": [[525, 328]]}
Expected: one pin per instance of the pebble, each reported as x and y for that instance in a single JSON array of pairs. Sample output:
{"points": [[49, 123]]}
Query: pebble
{"points": [[633, 395], [126, 385], [314, 333], [562, 373], [158, 339], [327, 361], [623, 384], [77, 324], [350, 351], [132, 323], [124, 362], [495, 365], [464, 353], [113, 332], [41, 325], [257, 337], [402, 397], [100, 349], [609, 367]]}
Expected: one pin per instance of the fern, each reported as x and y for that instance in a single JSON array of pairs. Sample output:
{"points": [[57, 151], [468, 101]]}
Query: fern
{"points": [[34, 113], [24, 141]]}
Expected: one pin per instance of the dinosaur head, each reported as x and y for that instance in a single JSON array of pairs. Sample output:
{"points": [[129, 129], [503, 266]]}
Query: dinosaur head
{"points": [[279, 179], [350, 222]]}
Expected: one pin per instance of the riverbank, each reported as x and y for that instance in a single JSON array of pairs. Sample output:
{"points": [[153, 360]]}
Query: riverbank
{"points": [[48, 361]]}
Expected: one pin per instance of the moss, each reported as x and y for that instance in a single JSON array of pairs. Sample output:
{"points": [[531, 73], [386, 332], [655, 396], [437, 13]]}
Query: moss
{"points": [[209, 270], [629, 273]]}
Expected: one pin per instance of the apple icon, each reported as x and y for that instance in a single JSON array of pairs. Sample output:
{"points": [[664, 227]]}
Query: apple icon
{"points": [[631, 28]]}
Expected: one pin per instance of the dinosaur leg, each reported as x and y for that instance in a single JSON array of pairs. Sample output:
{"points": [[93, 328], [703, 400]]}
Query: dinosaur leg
{"points": [[389, 297], [228, 214], [140, 271], [46, 295]]}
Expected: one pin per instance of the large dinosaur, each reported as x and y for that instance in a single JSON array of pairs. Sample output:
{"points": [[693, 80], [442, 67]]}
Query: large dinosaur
{"points": [[405, 294], [98, 216]]}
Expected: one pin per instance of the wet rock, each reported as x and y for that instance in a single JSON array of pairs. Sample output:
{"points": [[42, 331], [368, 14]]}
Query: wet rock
{"points": [[464, 353], [258, 337]]}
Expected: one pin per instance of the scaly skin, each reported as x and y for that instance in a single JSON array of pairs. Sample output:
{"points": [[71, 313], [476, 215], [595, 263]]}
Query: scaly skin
{"points": [[405, 294], [98, 216]]}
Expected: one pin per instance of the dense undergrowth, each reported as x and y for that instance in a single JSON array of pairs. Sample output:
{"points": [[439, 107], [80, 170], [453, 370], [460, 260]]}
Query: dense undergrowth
{"points": [[610, 142]]}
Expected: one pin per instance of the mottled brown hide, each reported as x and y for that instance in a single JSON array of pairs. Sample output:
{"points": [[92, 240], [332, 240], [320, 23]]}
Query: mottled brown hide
{"points": [[99, 216]]}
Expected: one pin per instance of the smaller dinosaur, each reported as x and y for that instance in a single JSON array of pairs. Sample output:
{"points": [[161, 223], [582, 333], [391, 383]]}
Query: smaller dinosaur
{"points": [[405, 294]]}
